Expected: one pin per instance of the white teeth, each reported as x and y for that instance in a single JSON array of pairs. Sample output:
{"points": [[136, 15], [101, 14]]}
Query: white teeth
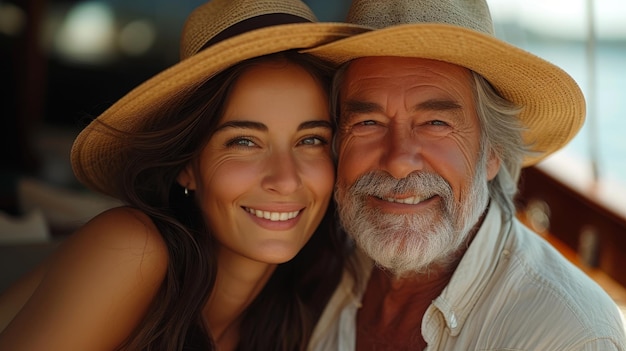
{"points": [[273, 216], [413, 200]]}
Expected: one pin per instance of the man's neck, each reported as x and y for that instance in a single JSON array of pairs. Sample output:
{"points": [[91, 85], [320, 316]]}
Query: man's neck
{"points": [[393, 309], [394, 294]]}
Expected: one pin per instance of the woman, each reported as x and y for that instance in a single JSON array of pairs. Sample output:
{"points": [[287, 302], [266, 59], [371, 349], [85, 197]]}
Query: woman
{"points": [[225, 163]]}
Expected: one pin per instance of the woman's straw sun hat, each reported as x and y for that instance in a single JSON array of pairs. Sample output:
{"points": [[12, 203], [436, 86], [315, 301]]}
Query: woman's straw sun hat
{"points": [[217, 35], [461, 32]]}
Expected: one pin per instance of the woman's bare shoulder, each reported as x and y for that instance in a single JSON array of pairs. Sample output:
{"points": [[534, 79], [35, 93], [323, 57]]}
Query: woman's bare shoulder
{"points": [[124, 226], [97, 287], [124, 233]]}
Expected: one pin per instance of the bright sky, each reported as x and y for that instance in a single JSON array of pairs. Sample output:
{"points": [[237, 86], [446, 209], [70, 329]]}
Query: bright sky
{"points": [[564, 18]]}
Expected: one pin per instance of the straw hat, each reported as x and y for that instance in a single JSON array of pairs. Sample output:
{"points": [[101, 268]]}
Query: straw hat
{"points": [[461, 32], [216, 36]]}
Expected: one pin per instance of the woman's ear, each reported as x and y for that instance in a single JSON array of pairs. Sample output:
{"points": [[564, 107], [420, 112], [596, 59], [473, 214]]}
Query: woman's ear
{"points": [[186, 178]]}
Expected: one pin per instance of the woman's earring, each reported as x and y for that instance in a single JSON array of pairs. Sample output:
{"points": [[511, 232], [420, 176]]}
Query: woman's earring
{"points": [[186, 192]]}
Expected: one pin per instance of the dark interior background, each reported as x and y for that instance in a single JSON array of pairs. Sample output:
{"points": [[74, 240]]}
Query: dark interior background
{"points": [[46, 97]]}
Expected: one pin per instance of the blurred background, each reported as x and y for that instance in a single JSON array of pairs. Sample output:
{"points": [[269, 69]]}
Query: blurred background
{"points": [[63, 62]]}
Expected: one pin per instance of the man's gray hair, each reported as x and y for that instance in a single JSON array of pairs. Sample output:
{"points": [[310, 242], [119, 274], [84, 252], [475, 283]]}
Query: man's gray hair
{"points": [[501, 131]]}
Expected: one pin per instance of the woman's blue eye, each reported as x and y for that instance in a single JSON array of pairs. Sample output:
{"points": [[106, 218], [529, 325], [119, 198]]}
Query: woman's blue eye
{"points": [[314, 141], [241, 142]]}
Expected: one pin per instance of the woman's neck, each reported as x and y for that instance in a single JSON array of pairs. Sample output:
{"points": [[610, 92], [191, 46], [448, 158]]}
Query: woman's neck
{"points": [[238, 282]]}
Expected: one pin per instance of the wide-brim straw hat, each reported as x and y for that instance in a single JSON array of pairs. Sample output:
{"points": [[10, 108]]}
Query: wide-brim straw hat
{"points": [[217, 35], [461, 32]]}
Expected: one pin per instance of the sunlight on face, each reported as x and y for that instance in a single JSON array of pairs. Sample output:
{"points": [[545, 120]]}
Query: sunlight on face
{"points": [[412, 177], [266, 176], [412, 242]]}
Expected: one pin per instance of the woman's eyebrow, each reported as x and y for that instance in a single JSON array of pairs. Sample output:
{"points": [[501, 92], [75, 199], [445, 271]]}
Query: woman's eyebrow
{"points": [[318, 123], [242, 125]]}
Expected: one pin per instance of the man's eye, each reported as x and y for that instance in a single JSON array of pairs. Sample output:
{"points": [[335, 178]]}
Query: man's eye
{"points": [[366, 123], [438, 123], [363, 127]]}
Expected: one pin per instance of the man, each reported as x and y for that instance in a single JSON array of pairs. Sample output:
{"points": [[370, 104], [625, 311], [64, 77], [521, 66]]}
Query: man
{"points": [[436, 119]]}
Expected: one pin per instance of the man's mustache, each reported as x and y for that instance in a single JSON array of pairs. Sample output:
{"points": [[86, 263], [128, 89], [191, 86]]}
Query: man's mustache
{"points": [[382, 185]]}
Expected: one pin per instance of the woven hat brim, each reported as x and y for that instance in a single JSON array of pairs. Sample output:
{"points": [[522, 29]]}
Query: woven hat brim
{"points": [[553, 104], [96, 155]]}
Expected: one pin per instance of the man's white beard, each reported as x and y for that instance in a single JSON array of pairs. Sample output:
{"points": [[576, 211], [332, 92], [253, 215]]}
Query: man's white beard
{"points": [[411, 243]]}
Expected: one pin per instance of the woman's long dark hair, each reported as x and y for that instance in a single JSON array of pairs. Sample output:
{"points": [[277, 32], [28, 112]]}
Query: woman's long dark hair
{"points": [[284, 313]]}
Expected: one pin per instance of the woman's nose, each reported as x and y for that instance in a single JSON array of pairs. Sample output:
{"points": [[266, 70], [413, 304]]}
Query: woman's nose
{"points": [[282, 174]]}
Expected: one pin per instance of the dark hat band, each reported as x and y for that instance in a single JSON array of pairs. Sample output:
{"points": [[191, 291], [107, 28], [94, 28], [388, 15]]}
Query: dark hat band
{"points": [[257, 22]]}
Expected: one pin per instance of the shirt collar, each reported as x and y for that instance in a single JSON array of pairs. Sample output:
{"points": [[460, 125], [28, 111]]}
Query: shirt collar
{"points": [[473, 272]]}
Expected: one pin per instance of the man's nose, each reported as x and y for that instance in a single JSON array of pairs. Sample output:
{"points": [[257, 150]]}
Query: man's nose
{"points": [[403, 152]]}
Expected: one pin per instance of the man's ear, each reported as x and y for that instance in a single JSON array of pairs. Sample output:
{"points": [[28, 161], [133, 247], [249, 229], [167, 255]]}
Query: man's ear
{"points": [[493, 164], [186, 178]]}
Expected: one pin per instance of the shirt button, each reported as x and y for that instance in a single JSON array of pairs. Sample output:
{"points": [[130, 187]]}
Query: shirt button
{"points": [[453, 323]]}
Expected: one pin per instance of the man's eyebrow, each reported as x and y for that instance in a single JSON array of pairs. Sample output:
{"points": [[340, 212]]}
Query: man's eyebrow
{"points": [[357, 107], [437, 105]]}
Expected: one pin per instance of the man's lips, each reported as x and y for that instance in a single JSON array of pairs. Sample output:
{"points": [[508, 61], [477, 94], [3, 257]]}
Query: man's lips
{"points": [[408, 200]]}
